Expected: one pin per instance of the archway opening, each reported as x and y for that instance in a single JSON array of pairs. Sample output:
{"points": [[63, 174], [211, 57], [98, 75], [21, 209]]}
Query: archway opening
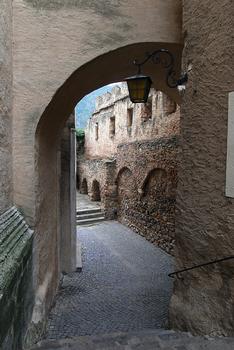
{"points": [[96, 192], [84, 187], [126, 192], [48, 136]]}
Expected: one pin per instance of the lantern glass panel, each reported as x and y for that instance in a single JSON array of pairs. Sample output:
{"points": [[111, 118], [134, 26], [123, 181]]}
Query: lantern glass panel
{"points": [[139, 87]]}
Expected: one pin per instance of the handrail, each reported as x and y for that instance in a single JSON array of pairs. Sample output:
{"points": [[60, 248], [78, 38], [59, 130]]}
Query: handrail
{"points": [[172, 274]]}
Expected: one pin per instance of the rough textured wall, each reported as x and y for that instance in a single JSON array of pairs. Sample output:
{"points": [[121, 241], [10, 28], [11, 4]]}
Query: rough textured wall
{"points": [[203, 300], [5, 104], [138, 187], [120, 121], [146, 189]]}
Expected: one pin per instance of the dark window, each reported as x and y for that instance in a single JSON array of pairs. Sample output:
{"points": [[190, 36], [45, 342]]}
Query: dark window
{"points": [[112, 126], [129, 117], [96, 131]]}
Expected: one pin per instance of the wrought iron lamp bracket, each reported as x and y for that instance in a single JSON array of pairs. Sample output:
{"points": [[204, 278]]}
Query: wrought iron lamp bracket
{"points": [[166, 59]]}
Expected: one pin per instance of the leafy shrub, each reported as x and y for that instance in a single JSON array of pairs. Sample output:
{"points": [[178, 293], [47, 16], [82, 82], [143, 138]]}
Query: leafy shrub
{"points": [[80, 136]]}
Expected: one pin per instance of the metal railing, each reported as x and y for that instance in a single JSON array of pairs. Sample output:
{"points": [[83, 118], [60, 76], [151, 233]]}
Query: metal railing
{"points": [[178, 272]]}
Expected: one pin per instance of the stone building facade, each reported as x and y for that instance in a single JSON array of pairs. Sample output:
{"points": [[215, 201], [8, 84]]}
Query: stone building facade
{"points": [[129, 162]]}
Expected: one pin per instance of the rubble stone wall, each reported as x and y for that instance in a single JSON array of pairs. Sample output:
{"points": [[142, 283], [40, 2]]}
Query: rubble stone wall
{"points": [[146, 187]]}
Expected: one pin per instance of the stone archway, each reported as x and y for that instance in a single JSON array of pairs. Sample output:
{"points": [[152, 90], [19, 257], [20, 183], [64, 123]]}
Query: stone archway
{"points": [[155, 184], [157, 205], [126, 191], [92, 75], [84, 187], [95, 191], [58, 58], [47, 142]]}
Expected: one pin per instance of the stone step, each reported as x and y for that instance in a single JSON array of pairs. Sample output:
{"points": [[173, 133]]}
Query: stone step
{"points": [[88, 211], [142, 340], [90, 221], [89, 216]]}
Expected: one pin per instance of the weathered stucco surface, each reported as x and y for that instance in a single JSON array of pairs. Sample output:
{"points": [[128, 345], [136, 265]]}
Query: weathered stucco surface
{"points": [[5, 104], [203, 301]]}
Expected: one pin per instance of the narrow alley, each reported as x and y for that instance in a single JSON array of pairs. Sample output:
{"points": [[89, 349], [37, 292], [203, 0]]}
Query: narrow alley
{"points": [[123, 285]]}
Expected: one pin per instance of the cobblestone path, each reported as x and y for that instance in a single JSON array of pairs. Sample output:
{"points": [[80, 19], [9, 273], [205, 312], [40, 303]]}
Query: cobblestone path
{"points": [[123, 286], [142, 340]]}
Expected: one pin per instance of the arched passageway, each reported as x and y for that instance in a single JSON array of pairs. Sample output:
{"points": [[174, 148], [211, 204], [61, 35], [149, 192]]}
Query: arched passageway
{"points": [[96, 191], [126, 190], [87, 78], [46, 91], [155, 185], [157, 203], [51, 76], [84, 187]]}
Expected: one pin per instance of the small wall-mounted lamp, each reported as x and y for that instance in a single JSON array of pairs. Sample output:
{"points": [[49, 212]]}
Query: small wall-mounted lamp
{"points": [[139, 85]]}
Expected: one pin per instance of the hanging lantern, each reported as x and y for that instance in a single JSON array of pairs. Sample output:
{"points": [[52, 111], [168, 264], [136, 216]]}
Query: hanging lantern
{"points": [[139, 88], [139, 85]]}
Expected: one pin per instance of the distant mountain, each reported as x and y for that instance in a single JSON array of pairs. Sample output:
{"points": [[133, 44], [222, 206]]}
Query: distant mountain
{"points": [[86, 106]]}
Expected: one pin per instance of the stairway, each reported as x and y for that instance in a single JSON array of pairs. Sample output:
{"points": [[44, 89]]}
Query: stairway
{"points": [[89, 216], [157, 339]]}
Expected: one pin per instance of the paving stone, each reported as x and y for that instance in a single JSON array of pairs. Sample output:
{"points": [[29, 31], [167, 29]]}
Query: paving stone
{"points": [[143, 340], [123, 285]]}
